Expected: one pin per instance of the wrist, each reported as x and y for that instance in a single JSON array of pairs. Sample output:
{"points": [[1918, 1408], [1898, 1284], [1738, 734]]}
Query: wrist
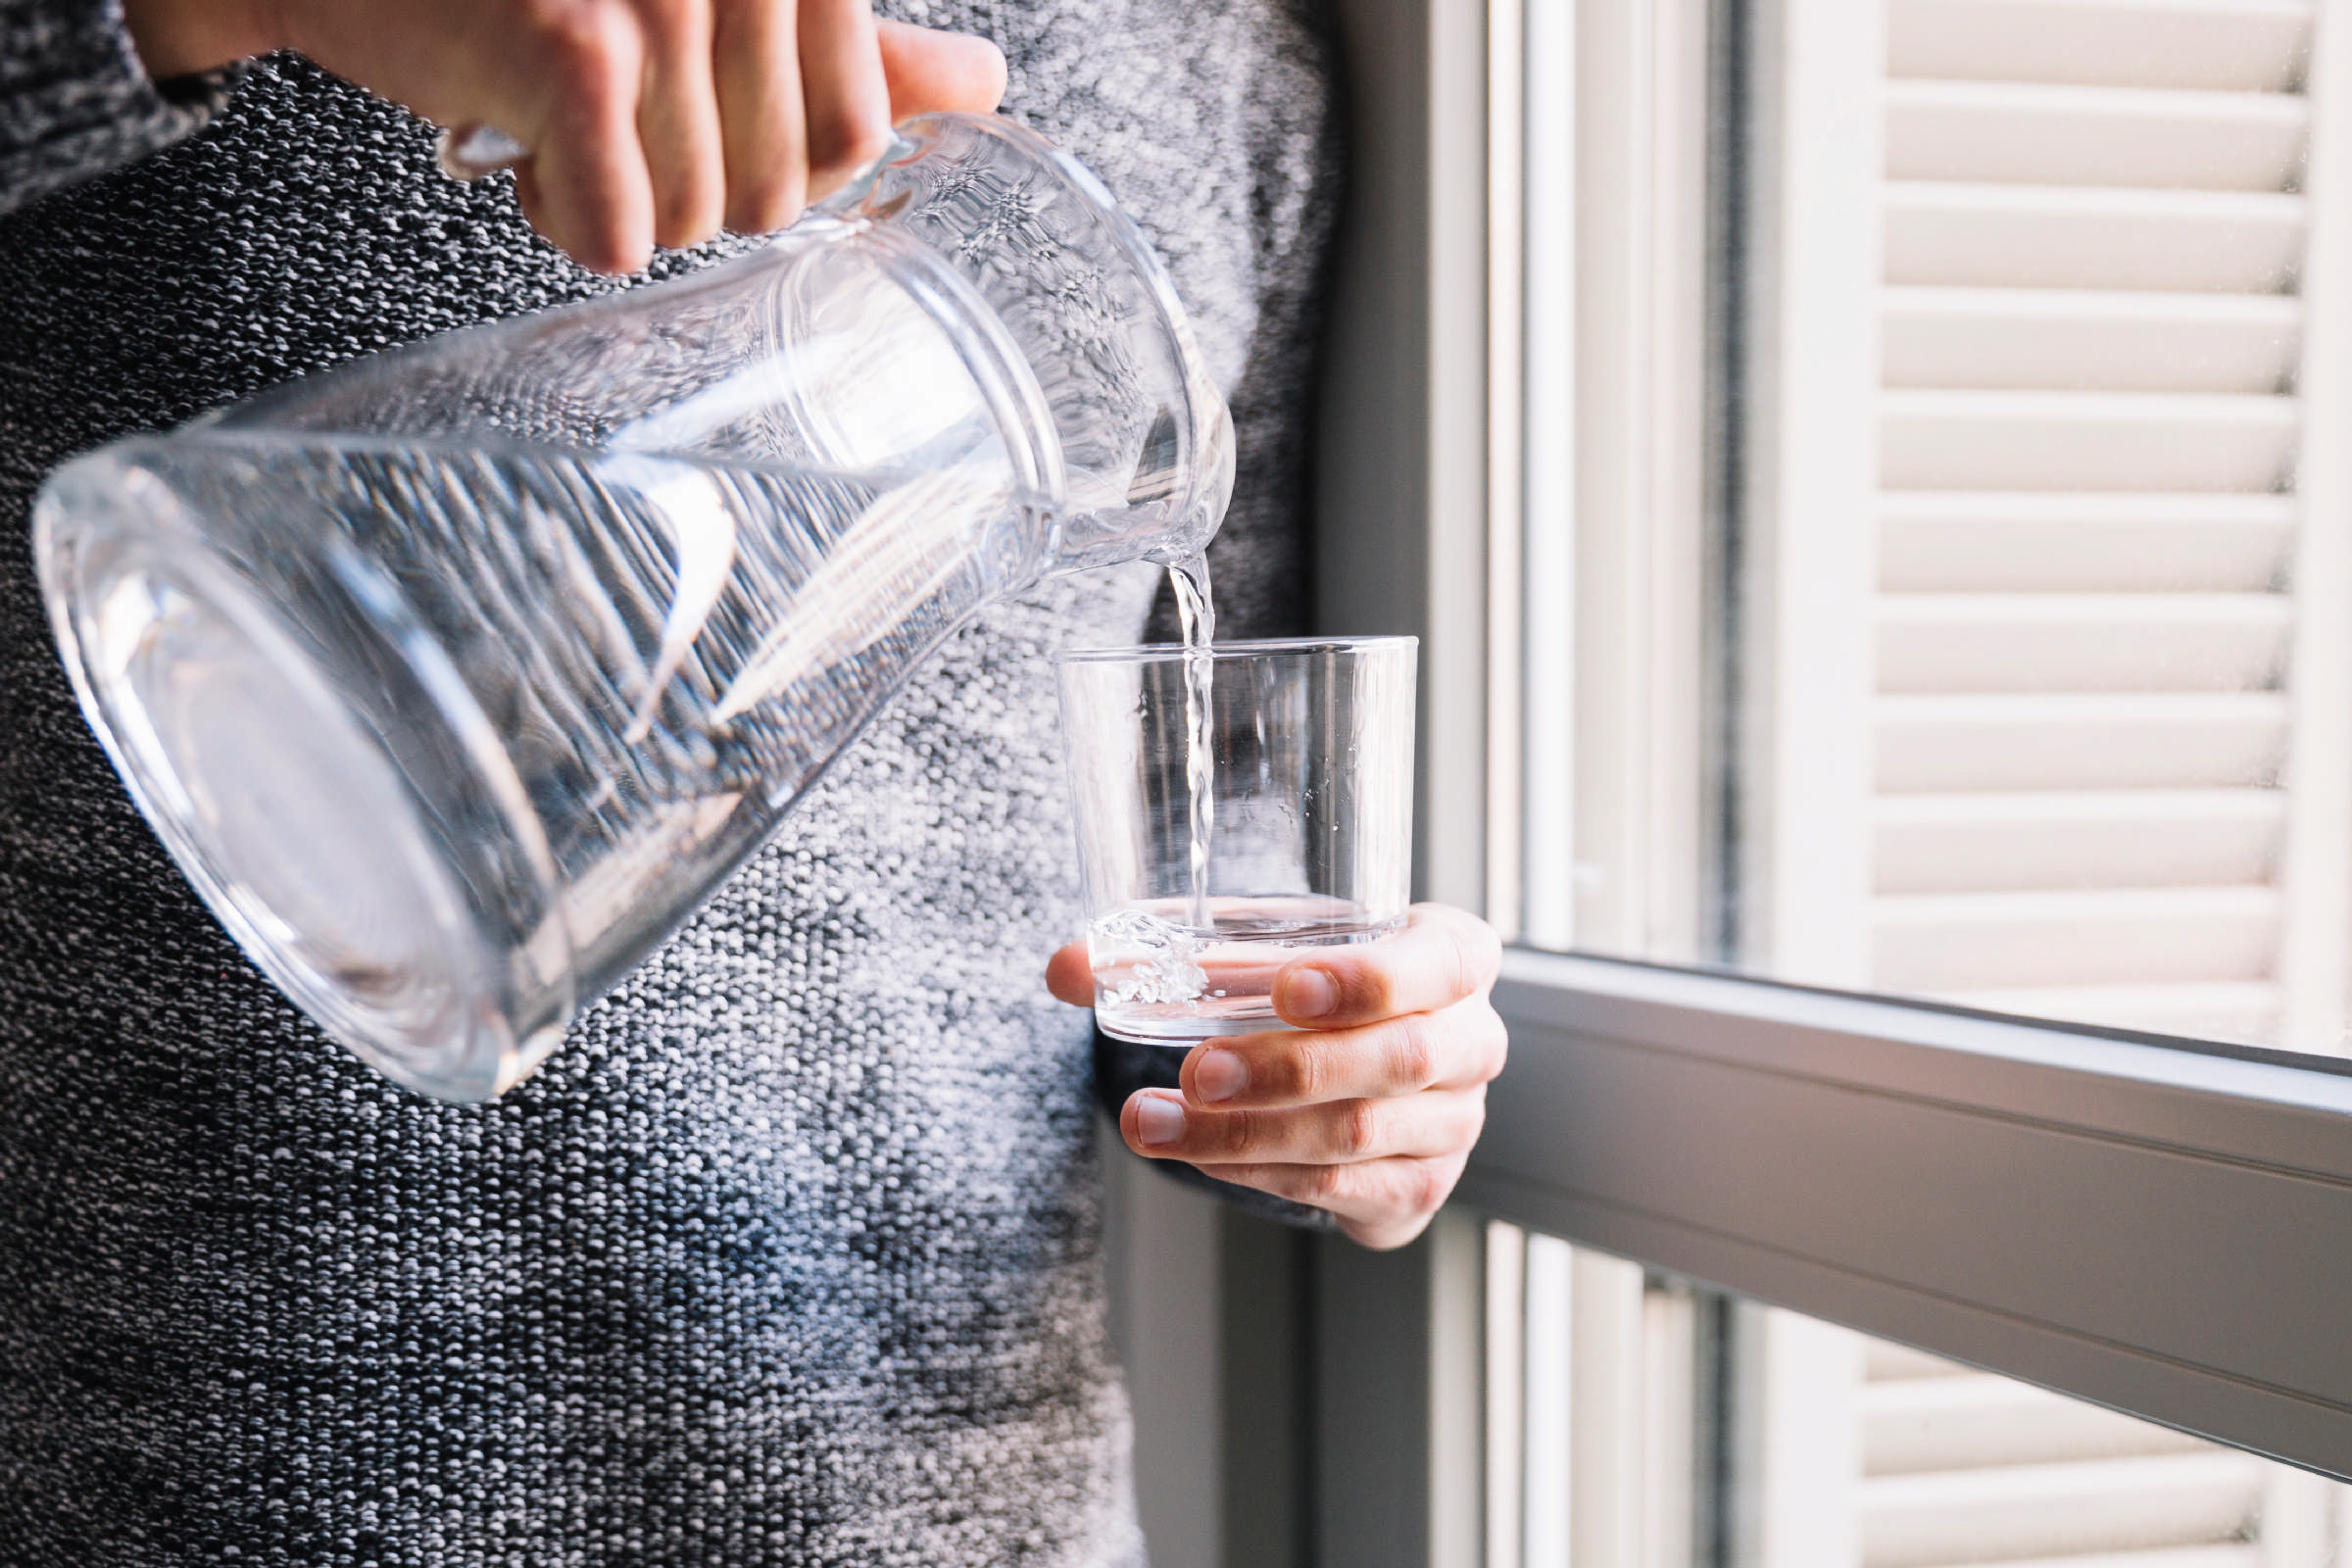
{"points": [[186, 37]]}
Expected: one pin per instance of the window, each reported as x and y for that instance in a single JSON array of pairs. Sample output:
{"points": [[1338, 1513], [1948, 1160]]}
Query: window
{"points": [[1870, 474], [2052, 352], [1640, 1419]]}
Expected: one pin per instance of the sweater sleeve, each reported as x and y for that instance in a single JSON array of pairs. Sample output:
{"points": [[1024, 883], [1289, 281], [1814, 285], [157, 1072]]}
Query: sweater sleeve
{"points": [[75, 101], [1122, 1067]]}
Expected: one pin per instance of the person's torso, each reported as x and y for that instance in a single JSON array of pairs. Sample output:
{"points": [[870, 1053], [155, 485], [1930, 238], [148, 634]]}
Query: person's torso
{"points": [[789, 1255]]}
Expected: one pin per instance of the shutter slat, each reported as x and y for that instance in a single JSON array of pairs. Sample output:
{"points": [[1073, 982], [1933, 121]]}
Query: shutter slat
{"points": [[2187, 740], [2028, 236], [2071, 135], [2036, 1510], [1883, 1359], [2239, 1555], [2080, 642], [1921, 1425], [2230, 45], [1951, 940], [2090, 839], [1931, 440], [2088, 341], [2058, 542], [2221, 1009]]}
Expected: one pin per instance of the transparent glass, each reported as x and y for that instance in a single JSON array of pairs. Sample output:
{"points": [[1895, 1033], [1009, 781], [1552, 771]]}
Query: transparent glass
{"points": [[1728, 1430], [1985, 632], [1306, 839], [457, 678], [1962, 618]]}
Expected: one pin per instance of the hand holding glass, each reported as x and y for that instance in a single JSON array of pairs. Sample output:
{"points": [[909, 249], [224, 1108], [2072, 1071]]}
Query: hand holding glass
{"points": [[1308, 835]]}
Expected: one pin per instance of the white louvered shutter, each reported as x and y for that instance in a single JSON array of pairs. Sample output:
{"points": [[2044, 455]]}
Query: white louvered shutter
{"points": [[2089, 635], [1964, 1467], [1886, 1458], [2090, 348]]}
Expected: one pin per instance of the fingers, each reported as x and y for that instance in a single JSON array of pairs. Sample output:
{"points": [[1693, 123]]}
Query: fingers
{"points": [[1070, 976], [649, 121], [1380, 1204], [1160, 1125], [1462, 1045], [808, 94], [678, 122], [930, 71], [757, 50], [589, 190], [843, 91], [1371, 1109], [1443, 956]]}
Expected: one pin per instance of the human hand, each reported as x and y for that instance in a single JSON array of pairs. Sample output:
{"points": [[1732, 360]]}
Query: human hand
{"points": [[1371, 1109], [650, 121]]}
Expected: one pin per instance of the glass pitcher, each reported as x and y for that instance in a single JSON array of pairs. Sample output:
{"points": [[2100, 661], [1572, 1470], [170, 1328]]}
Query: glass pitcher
{"points": [[457, 678]]}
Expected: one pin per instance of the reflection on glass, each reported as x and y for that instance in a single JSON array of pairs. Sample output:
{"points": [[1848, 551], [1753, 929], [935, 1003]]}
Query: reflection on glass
{"points": [[1641, 1423], [2088, 532], [2089, 537], [2035, 687]]}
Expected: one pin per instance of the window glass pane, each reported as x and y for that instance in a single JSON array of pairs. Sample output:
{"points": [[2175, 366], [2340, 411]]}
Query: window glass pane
{"points": [[1963, 587], [1638, 1422]]}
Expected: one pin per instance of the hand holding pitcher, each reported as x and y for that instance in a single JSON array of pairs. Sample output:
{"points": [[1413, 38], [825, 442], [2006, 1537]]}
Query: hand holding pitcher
{"points": [[650, 123]]}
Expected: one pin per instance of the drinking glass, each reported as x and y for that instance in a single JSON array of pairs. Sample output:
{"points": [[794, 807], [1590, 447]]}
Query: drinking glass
{"points": [[1306, 826]]}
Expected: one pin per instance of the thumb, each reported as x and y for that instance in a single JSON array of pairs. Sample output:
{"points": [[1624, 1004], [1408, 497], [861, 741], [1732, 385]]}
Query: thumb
{"points": [[929, 69], [1070, 976]]}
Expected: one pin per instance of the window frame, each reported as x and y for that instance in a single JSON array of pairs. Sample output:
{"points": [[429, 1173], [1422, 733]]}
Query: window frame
{"points": [[2141, 1224], [2136, 1223]]}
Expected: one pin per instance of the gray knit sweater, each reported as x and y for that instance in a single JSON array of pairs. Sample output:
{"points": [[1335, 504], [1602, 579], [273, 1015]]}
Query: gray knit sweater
{"points": [[791, 1255]]}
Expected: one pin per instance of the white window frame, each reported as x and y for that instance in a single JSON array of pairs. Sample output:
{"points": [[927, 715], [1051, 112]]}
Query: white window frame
{"points": [[2162, 1230]]}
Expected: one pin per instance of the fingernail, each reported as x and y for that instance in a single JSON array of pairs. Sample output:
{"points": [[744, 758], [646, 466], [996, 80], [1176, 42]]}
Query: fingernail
{"points": [[1310, 994], [1158, 1119], [1220, 1075]]}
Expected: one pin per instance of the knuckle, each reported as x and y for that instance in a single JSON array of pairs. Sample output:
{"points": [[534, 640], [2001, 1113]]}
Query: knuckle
{"points": [[845, 144], [1239, 1132], [1294, 1182], [1359, 1128], [1310, 1071], [684, 233], [1425, 1186], [604, 246], [667, 20], [1413, 1053], [689, 216], [591, 48], [1466, 967], [1283, 1181], [1322, 1185], [1474, 1118], [1487, 951], [1371, 991], [764, 204]]}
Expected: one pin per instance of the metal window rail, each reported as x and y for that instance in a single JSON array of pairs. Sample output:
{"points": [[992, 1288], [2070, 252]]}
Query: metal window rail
{"points": [[2159, 1228]]}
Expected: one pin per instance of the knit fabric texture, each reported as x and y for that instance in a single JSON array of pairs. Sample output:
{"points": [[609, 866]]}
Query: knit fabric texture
{"points": [[74, 99], [791, 1255]]}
